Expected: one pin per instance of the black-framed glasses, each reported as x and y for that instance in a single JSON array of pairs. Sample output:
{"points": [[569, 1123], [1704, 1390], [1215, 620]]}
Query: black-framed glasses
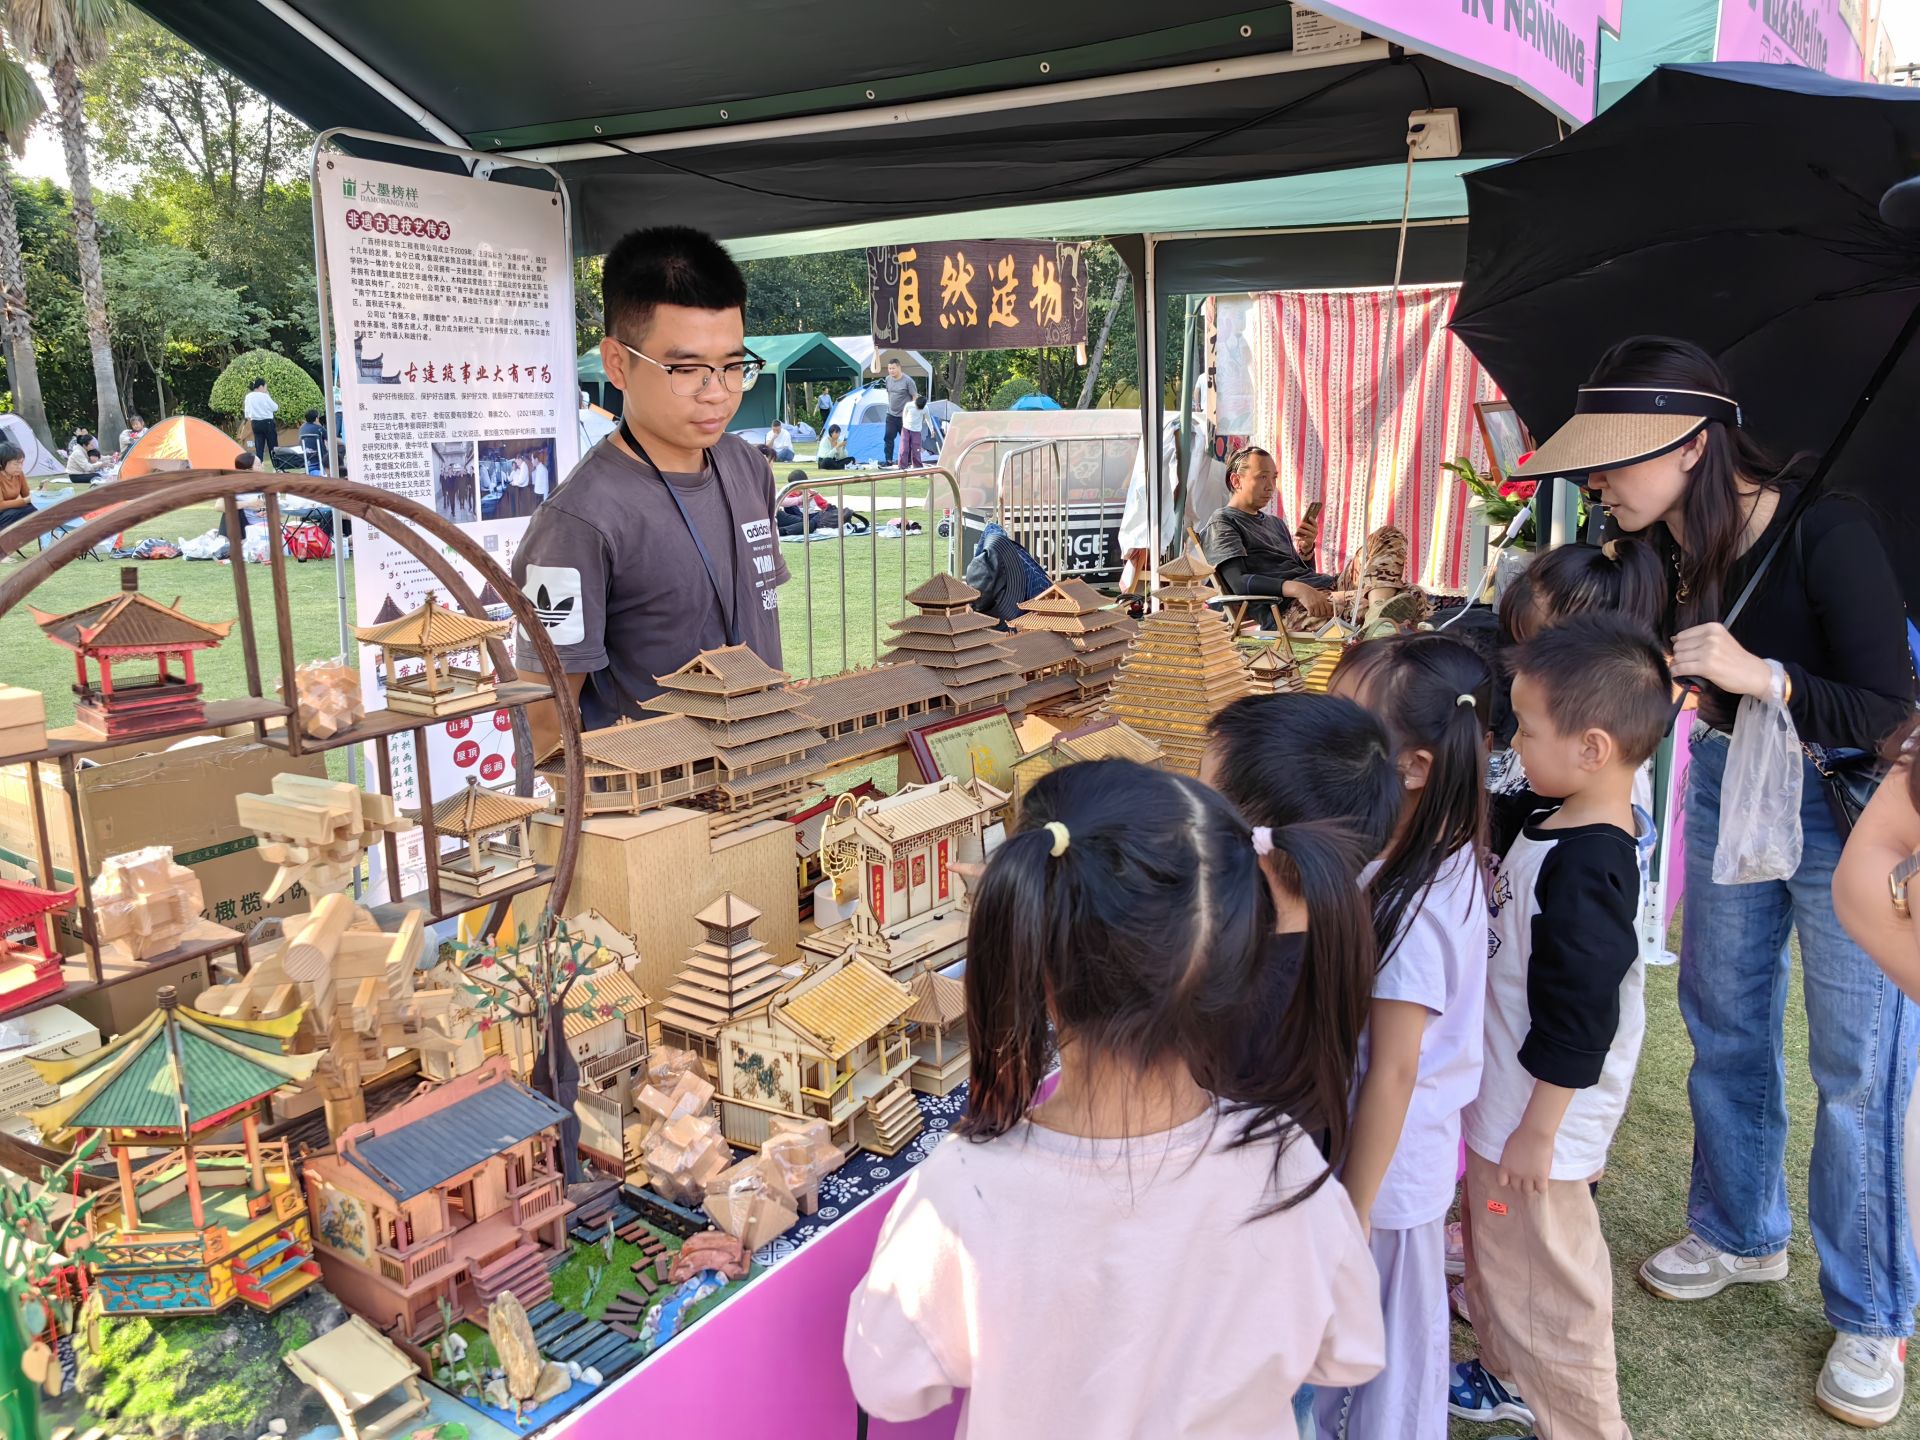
{"points": [[689, 380]]}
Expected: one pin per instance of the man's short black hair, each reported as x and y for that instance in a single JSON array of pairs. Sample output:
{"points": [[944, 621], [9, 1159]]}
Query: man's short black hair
{"points": [[1601, 671], [667, 265], [313, 417], [258, 381]]}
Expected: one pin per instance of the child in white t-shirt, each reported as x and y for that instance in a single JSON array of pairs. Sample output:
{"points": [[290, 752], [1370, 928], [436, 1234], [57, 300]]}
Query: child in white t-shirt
{"points": [[1420, 1056], [1565, 1018], [1131, 1256]]}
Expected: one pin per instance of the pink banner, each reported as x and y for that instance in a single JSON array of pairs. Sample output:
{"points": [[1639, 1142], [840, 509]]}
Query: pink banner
{"points": [[1549, 48], [1814, 33]]}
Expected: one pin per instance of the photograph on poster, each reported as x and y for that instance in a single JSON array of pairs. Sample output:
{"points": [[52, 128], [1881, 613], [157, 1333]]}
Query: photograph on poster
{"points": [[515, 476], [454, 495]]}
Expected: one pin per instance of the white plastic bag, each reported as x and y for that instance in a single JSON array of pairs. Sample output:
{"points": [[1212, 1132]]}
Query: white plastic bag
{"points": [[1760, 794]]}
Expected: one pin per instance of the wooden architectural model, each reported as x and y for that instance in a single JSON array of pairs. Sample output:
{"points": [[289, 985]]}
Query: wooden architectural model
{"points": [[1182, 669], [130, 630], [937, 1024], [957, 643], [456, 1194], [352, 987], [831, 1046], [354, 1368], [29, 969], [23, 720], [327, 698], [421, 653], [1273, 667], [1094, 635], [728, 974], [499, 851], [193, 1223], [728, 736], [1104, 739], [902, 850], [316, 830], [144, 903], [751, 1202]]}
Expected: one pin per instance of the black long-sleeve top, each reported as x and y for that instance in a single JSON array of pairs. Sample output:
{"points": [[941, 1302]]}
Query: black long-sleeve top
{"points": [[1830, 611], [1254, 554], [1583, 944]]}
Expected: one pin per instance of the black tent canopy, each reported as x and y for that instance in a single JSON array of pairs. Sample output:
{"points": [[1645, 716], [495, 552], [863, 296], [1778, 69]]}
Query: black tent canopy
{"points": [[781, 117]]}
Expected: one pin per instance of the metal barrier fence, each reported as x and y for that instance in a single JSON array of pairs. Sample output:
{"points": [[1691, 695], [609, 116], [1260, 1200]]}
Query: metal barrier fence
{"points": [[1032, 486], [889, 574]]}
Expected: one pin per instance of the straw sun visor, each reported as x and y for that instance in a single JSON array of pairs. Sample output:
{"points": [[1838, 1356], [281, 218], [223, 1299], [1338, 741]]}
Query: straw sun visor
{"points": [[1617, 426]]}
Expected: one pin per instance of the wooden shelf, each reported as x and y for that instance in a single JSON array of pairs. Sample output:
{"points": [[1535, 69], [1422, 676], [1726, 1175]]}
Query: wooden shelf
{"points": [[219, 715], [80, 979], [389, 912], [512, 695]]}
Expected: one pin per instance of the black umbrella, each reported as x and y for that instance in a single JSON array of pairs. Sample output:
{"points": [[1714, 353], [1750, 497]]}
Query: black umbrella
{"points": [[1737, 206]]}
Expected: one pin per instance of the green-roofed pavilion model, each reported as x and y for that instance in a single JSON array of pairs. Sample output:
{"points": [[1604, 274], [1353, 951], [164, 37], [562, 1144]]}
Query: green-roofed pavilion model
{"points": [[207, 1222]]}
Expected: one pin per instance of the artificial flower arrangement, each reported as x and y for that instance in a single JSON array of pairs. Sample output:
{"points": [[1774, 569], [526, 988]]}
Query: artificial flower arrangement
{"points": [[1496, 501]]}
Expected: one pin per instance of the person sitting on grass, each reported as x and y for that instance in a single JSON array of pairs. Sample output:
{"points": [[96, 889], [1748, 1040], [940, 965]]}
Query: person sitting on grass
{"points": [[833, 451]]}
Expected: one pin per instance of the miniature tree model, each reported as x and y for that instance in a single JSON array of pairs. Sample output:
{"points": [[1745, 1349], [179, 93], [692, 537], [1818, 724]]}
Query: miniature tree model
{"points": [[33, 1253], [530, 981]]}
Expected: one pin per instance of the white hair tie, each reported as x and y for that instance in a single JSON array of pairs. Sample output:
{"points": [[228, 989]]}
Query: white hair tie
{"points": [[1060, 838], [1262, 841], [1466, 700]]}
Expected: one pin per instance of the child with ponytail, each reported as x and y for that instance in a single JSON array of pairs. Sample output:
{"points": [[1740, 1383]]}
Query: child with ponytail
{"points": [[1420, 1056], [1124, 920]]}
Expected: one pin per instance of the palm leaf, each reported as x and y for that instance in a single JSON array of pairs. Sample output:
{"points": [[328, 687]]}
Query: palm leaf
{"points": [[21, 103]]}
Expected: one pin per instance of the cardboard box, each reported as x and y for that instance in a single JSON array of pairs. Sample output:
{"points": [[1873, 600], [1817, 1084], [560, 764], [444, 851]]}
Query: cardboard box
{"points": [[55, 1033], [183, 798], [117, 1008]]}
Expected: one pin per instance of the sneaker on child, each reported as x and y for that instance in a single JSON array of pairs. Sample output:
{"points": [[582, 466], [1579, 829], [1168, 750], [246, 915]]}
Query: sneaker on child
{"points": [[1864, 1379], [1696, 1269], [1476, 1394], [1457, 1299], [1456, 1250]]}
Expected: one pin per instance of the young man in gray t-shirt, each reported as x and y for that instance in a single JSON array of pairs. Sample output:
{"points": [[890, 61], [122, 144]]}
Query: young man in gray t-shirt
{"points": [[662, 541]]}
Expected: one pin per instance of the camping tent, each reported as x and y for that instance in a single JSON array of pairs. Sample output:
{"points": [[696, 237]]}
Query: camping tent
{"points": [[810, 359], [40, 460], [592, 376], [862, 417], [874, 360], [181, 442], [1035, 402]]}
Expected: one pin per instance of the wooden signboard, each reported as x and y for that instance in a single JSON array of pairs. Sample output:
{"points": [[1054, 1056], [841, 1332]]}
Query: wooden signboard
{"points": [[978, 294]]}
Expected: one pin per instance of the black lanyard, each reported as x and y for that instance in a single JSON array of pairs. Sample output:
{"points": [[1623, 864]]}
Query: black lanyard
{"points": [[729, 616]]}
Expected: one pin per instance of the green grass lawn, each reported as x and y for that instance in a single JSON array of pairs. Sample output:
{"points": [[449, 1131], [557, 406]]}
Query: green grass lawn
{"points": [[1742, 1365]]}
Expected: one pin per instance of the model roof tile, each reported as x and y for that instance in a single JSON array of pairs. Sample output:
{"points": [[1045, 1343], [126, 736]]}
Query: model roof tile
{"points": [[413, 1158], [477, 810], [942, 589], [129, 621], [433, 627], [846, 1009]]}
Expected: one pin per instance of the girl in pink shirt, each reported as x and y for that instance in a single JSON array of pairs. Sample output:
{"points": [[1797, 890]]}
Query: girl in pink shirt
{"points": [[1134, 1256]]}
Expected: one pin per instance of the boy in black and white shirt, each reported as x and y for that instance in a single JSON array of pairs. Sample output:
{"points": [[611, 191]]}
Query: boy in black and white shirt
{"points": [[1565, 1018]]}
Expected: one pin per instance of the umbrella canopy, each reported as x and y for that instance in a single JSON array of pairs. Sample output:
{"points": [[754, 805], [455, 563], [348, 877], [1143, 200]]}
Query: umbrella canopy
{"points": [[182, 443], [1736, 206]]}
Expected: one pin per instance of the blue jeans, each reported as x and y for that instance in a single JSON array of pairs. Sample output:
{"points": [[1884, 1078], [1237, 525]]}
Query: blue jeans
{"points": [[1861, 1036], [1303, 1413]]}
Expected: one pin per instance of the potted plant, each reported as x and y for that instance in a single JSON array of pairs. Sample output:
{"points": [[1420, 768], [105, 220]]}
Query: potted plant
{"points": [[1497, 502]]}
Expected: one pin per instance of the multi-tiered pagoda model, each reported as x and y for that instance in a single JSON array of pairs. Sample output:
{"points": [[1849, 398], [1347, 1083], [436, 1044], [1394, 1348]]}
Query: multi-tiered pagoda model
{"points": [[957, 643], [1183, 668]]}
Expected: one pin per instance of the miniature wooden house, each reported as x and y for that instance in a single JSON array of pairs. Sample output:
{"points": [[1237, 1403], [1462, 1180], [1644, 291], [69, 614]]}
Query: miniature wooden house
{"points": [[206, 1223], [937, 1027], [498, 853], [130, 630], [1273, 667], [1104, 739], [29, 969], [456, 1194], [831, 1046], [957, 643], [436, 639], [1182, 669], [729, 974], [912, 910]]}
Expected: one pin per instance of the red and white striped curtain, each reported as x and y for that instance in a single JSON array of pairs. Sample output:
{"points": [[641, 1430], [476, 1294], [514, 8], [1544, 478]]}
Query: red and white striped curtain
{"points": [[1362, 395]]}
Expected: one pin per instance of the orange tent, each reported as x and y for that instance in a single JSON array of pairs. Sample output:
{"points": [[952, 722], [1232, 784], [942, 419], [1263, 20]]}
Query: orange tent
{"points": [[182, 443]]}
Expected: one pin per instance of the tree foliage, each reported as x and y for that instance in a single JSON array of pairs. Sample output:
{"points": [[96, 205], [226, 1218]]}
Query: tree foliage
{"points": [[287, 383], [165, 301]]}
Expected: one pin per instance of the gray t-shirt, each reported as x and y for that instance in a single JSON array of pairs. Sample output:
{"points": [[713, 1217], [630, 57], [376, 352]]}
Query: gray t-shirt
{"points": [[899, 392], [620, 586]]}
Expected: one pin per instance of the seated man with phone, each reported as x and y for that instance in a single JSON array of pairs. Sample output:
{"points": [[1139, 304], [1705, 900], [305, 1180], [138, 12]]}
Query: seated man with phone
{"points": [[1250, 550]]}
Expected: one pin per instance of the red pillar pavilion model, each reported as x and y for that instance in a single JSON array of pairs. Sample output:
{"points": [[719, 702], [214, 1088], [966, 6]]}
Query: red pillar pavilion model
{"points": [[130, 629], [29, 972]]}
